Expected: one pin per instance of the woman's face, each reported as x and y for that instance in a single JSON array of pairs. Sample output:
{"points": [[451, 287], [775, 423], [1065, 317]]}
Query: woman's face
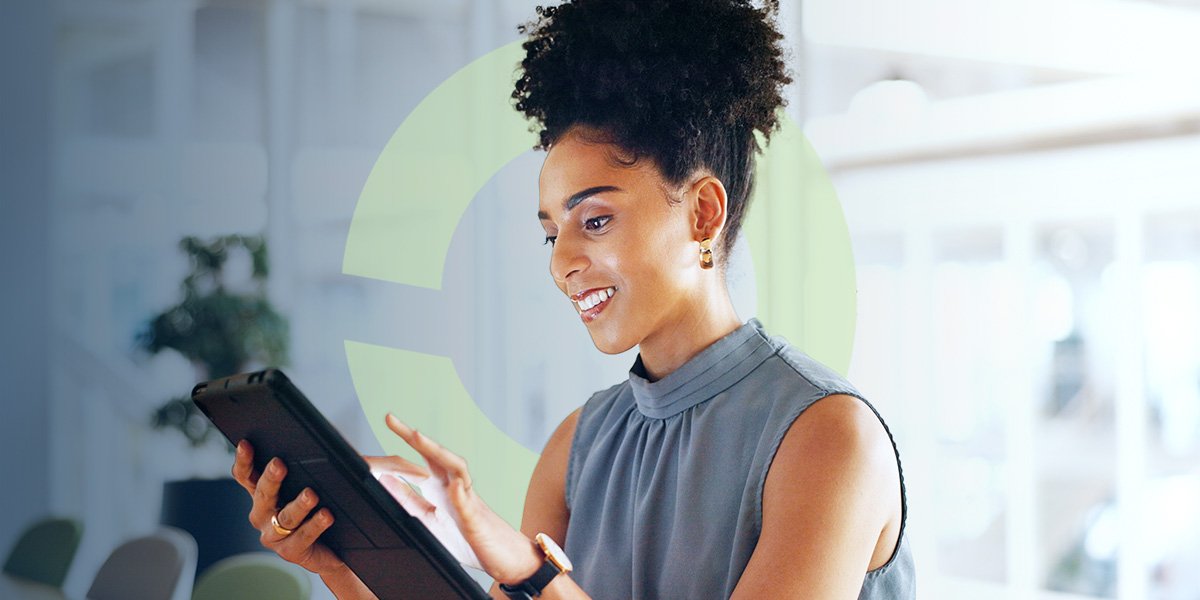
{"points": [[623, 253]]}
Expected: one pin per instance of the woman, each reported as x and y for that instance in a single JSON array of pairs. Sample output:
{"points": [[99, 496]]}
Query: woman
{"points": [[729, 464]]}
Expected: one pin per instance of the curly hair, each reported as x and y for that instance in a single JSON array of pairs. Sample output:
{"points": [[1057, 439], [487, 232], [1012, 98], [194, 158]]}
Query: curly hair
{"points": [[685, 83]]}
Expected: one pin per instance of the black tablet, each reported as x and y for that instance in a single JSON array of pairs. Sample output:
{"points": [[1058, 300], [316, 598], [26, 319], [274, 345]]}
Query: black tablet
{"points": [[392, 552]]}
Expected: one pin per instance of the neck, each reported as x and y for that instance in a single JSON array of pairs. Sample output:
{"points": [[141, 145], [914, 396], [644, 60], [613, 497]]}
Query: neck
{"points": [[708, 321]]}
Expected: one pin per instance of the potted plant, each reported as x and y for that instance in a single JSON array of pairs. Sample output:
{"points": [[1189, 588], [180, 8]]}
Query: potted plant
{"points": [[222, 327]]}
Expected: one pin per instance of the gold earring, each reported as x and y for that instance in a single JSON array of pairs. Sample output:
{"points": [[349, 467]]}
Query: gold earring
{"points": [[706, 257]]}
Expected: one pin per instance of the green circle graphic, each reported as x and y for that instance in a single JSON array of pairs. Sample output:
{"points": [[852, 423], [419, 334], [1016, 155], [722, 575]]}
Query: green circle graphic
{"points": [[455, 140]]}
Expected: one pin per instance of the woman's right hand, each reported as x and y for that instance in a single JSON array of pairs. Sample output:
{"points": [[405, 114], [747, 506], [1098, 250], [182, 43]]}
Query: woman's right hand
{"points": [[300, 546]]}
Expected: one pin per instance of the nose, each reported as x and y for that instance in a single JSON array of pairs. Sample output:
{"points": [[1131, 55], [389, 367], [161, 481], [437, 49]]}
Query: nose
{"points": [[566, 258]]}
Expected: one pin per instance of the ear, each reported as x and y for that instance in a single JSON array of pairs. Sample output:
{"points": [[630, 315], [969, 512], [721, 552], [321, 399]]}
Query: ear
{"points": [[708, 207]]}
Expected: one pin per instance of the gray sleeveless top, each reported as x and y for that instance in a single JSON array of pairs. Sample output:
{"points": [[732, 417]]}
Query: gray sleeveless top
{"points": [[665, 478]]}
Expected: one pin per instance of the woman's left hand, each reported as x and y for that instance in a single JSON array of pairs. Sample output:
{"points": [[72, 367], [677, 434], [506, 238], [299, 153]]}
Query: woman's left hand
{"points": [[451, 509]]}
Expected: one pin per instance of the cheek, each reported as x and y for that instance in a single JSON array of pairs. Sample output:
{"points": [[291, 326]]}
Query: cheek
{"points": [[674, 247], [663, 256]]}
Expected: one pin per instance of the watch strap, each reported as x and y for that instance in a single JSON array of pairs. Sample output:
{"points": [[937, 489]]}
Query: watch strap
{"points": [[533, 586]]}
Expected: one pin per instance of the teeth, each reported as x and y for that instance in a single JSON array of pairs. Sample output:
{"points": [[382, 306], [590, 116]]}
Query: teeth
{"points": [[594, 299]]}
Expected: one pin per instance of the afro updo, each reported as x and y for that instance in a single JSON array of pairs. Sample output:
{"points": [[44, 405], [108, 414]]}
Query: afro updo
{"points": [[685, 83]]}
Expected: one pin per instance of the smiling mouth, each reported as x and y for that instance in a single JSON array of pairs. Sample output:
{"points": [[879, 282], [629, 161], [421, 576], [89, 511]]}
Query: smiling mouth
{"points": [[595, 301]]}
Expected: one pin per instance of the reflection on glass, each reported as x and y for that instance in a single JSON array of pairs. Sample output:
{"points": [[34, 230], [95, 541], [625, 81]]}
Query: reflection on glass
{"points": [[1075, 439], [1171, 320], [970, 296]]}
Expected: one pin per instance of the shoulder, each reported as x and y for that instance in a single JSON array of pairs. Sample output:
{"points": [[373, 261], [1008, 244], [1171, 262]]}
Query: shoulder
{"points": [[600, 412], [545, 504], [812, 371], [836, 457], [827, 501], [602, 400], [553, 460], [837, 430], [559, 443]]}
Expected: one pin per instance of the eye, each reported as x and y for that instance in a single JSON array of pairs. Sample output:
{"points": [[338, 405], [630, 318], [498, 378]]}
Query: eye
{"points": [[550, 240], [595, 223]]}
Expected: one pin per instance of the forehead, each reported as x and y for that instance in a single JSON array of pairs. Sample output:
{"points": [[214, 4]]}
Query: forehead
{"points": [[573, 164]]}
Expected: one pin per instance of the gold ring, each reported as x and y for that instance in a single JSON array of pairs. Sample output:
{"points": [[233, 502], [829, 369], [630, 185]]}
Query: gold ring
{"points": [[280, 529]]}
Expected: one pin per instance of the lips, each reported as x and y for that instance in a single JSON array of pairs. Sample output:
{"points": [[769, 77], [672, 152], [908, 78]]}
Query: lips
{"points": [[590, 302]]}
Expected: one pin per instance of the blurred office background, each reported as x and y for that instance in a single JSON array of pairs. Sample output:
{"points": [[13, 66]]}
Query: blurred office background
{"points": [[1019, 179]]}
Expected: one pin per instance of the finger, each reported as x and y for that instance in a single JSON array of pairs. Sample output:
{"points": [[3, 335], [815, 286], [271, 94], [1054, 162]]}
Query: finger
{"points": [[440, 459], [243, 467], [459, 496], [412, 502], [266, 493], [292, 515], [388, 464], [298, 546], [423, 445]]}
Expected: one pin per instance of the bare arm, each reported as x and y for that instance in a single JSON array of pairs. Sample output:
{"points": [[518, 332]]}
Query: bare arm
{"points": [[545, 501], [831, 506]]}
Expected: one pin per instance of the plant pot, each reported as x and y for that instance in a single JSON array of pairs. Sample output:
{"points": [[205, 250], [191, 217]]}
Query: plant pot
{"points": [[215, 512]]}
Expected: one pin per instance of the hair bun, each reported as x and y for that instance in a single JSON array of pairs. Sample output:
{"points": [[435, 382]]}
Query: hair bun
{"points": [[665, 67], [683, 82]]}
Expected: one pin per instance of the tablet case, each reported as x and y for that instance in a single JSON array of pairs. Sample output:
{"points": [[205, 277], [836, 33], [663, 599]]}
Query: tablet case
{"points": [[393, 553]]}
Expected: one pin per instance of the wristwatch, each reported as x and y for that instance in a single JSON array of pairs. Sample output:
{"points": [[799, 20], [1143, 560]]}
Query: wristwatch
{"points": [[556, 562]]}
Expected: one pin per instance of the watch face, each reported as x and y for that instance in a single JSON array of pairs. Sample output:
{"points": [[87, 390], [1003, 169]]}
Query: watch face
{"points": [[553, 552]]}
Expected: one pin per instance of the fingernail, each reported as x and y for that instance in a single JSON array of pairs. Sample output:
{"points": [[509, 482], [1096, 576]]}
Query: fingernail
{"points": [[274, 467], [307, 494]]}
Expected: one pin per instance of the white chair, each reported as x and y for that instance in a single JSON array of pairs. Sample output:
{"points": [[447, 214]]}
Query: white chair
{"points": [[160, 566]]}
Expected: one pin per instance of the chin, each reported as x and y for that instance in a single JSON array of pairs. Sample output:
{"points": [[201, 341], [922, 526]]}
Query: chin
{"points": [[609, 345]]}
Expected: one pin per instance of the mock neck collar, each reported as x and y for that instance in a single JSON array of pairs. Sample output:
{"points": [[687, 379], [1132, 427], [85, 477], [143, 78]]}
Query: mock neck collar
{"points": [[708, 373]]}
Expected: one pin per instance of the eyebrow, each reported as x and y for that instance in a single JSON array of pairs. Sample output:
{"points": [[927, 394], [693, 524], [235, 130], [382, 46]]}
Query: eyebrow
{"points": [[580, 196]]}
